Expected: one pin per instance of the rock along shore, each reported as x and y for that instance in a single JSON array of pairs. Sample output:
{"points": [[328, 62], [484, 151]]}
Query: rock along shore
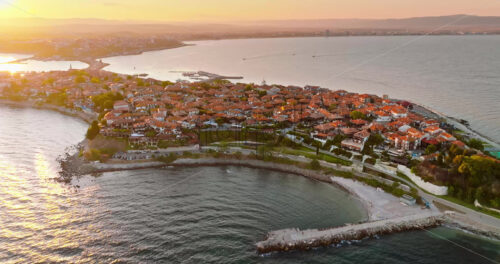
{"points": [[296, 239], [371, 208], [183, 162]]}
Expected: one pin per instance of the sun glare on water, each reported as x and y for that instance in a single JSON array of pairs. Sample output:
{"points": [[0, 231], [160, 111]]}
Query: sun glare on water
{"points": [[5, 66]]}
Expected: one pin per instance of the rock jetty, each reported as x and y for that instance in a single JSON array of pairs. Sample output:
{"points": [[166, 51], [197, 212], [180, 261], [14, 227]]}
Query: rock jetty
{"points": [[296, 239]]}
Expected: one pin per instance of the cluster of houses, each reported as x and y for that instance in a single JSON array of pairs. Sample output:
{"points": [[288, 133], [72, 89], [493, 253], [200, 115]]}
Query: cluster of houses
{"points": [[152, 111]]}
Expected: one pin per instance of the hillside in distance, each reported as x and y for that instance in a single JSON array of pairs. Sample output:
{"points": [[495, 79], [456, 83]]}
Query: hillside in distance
{"points": [[454, 24], [89, 39]]}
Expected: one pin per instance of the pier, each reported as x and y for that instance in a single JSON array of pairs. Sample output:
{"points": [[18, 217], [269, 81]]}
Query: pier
{"points": [[296, 239], [207, 76]]}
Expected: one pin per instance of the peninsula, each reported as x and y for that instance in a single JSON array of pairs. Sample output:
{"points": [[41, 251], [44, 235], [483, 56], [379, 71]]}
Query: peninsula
{"points": [[322, 134]]}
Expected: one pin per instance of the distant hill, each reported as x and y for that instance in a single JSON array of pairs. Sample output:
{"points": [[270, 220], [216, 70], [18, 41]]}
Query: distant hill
{"points": [[454, 24], [419, 23]]}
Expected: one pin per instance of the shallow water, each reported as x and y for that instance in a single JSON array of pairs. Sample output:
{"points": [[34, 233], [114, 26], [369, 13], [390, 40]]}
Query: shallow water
{"points": [[177, 215]]}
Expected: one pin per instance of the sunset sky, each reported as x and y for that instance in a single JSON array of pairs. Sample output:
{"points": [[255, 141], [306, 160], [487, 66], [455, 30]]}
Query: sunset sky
{"points": [[225, 10]]}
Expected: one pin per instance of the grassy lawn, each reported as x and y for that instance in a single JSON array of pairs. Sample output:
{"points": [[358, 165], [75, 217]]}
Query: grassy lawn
{"points": [[402, 175], [308, 153], [470, 206]]}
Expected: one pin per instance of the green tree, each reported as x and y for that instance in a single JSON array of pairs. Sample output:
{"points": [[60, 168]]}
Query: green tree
{"points": [[49, 81], [101, 101], [166, 83], [338, 139], [375, 139], [357, 115], [480, 194], [151, 133], [476, 143], [93, 130], [314, 164], [430, 149], [108, 104], [57, 98], [220, 120], [79, 79]]}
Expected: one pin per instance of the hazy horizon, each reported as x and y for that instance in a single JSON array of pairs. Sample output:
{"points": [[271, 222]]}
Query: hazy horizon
{"points": [[224, 11]]}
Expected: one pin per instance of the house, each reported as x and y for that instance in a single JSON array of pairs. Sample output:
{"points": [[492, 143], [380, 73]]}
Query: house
{"points": [[447, 137], [398, 112], [458, 143], [382, 116], [121, 106], [429, 122], [359, 122], [357, 142], [433, 130], [406, 143]]}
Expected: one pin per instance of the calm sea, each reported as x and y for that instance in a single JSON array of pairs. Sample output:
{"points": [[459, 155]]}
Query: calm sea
{"points": [[456, 75], [35, 65], [188, 215]]}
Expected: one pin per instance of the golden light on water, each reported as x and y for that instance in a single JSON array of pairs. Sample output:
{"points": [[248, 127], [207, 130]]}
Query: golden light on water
{"points": [[39, 209], [4, 59], [10, 67]]}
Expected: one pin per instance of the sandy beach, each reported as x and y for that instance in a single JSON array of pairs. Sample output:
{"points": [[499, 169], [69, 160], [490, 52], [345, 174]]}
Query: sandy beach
{"points": [[379, 204]]}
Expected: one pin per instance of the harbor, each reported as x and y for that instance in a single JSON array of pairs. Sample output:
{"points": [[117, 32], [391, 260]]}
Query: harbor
{"points": [[207, 76]]}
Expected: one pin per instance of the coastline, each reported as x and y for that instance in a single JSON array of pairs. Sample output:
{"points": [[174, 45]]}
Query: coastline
{"points": [[86, 117], [377, 204], [453, 120]]}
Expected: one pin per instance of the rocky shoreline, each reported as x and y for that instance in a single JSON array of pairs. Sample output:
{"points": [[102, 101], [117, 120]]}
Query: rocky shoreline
{"points": [[453, 121], [453, 220]]}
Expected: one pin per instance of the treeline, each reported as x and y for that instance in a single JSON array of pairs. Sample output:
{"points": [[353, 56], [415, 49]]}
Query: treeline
{"points": [[468, 175], [105, 100]]}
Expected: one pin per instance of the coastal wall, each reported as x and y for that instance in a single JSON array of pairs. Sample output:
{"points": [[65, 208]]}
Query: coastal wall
{"points": [[253, 164], [434, 189], [97, 167], [296, 239]]}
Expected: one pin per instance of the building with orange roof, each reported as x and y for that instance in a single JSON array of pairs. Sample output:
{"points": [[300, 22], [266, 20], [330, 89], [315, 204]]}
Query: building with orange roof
{"points": [[433, 130], [447, 136]]}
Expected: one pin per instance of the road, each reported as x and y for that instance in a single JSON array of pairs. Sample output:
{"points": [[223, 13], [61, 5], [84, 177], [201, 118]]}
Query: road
{"points": [[471, 214]]}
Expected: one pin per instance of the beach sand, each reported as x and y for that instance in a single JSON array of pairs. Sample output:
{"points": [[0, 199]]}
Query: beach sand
{"points": [[379, 204]]}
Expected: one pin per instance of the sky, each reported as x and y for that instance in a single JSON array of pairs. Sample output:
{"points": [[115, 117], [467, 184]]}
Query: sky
{"points": [[242, 10]]}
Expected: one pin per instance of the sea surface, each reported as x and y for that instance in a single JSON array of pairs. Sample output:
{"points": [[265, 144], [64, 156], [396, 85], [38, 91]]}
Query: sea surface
{"points": [[456, 75], [179, 215], [35, 65]]}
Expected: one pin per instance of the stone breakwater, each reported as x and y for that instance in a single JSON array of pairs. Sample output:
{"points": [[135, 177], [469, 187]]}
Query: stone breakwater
{"points": [[296, 239]]}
